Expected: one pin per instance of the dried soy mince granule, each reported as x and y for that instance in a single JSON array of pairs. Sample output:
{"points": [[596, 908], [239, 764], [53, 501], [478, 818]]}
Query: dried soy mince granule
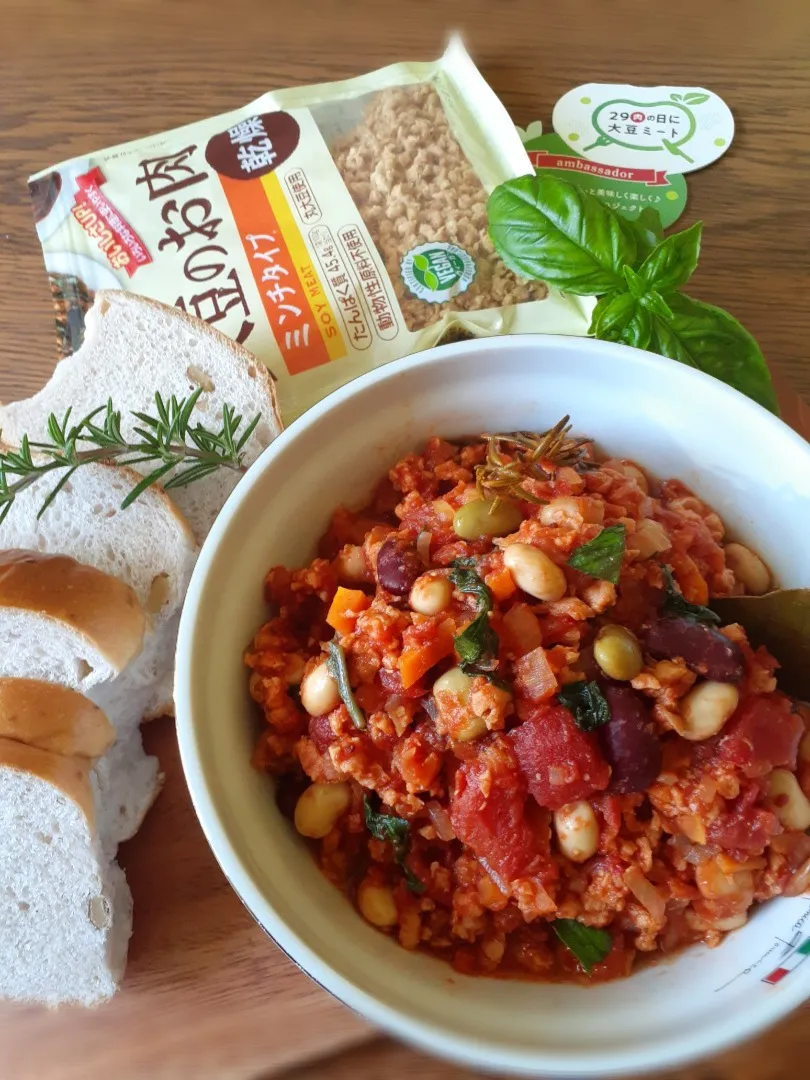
{"points": [[413, 184]]}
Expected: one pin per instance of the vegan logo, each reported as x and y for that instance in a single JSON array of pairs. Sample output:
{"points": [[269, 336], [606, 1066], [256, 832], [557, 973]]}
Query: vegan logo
{"points": [[437, 272]]}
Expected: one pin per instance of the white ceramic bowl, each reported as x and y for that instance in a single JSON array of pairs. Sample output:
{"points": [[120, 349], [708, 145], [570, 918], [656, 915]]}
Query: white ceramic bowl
{"points": [[675, 421]]}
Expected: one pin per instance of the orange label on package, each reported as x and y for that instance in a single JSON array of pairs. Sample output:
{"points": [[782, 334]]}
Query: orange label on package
{"points": [[297, 308]]}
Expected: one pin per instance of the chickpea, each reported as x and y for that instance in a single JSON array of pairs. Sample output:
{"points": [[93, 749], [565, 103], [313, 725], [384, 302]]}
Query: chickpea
{"points": [[319, 691], [648, 539], [430, 594], [351, 564], [319, 807], [706, 708], [454, 681], [748, 569], [481, 517], [534, 572], [376, 903], [790, 804], [577, 831], [618, 653], [472, 727]]}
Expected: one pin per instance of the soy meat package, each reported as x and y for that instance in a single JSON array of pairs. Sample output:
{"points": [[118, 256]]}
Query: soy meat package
{"points": [[329, 229]]}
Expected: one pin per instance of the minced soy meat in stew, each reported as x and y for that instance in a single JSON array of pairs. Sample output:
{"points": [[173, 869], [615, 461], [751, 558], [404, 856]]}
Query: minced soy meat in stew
{"points": [[499, 707]]}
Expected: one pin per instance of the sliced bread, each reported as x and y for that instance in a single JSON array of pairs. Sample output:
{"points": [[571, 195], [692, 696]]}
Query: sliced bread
{"points": [[149, 546], [53, 718], [134, 347], [65, 910], [64, 622]]}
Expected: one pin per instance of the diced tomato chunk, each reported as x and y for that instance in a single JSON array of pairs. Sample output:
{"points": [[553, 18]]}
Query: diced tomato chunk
{"points": [[763, 734], [560, 762], [487, 811], [744, 827]]}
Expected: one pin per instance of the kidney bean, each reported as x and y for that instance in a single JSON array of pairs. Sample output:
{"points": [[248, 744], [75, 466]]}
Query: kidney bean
{"points": [[702, 648], [629, 741], [398, 566]]}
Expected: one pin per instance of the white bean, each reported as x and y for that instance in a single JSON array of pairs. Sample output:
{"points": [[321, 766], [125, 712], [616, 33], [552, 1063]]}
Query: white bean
{"points": [[748, 569], [534, 572], [706, 708], [376, 903], [319, 807], [319, 691], [804, 747], [790, 804], [577, 831], [564, 510], [714, 884], [430, 594]]}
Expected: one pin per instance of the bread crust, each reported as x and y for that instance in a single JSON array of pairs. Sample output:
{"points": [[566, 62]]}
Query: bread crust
{"points": [[96, 605], [54, 718]]}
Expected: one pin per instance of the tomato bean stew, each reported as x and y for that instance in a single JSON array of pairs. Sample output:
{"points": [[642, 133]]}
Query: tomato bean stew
{"points": [[500, 707]]}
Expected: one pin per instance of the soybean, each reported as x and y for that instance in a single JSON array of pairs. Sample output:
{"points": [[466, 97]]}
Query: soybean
{"points": [[481, 517]]}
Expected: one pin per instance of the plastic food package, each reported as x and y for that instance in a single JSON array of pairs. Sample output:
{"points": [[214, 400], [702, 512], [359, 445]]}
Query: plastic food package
{"points": [[329, 229]]}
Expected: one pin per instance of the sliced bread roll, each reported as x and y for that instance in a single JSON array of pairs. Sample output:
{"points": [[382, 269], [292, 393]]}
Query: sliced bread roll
{"points": [[64, 622], [65, 910], [134, 347], [53, 718], [149, 546]]}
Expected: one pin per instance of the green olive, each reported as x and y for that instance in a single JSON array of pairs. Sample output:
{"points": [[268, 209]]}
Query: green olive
{"points": [[481, 517], [618, 653]]}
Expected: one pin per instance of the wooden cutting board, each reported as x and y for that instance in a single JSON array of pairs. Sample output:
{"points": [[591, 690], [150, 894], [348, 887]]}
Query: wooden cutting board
{"points": [[206, 994]]}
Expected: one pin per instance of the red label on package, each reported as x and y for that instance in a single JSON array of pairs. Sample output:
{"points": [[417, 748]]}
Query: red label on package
{"points": [[98, 217]]}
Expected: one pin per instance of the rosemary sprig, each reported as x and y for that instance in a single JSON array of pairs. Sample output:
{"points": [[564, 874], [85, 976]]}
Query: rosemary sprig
{"points": [[169, 439], [517, 456]]}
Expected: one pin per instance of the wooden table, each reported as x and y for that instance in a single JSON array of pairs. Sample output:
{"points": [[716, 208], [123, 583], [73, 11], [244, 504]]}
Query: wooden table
{"points": [[206, 994]]}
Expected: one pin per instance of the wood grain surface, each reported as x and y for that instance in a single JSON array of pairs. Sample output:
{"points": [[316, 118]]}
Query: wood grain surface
{"points": [[206, 994]]}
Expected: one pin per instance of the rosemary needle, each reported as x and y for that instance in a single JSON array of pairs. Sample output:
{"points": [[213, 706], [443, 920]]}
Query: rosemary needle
{"points": [[181, 451]]}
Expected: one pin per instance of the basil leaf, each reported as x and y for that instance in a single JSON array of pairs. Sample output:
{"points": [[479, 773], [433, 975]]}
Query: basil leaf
{"points": [[674, 260], [636, 284], [648, 232], [676, 604], [638, 330], [396, 831], [588, 944], [611, 315], [601, 557], [386, 826], [547, 229], [711, 340], [586, 703], [654, 302], [336, 666], [478, 642]]}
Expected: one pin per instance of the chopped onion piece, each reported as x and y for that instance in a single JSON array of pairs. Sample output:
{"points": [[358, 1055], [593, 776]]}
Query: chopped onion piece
{"points": [[646, 893], [441, 820], [534, 678], [423, 546], [799, 883]]}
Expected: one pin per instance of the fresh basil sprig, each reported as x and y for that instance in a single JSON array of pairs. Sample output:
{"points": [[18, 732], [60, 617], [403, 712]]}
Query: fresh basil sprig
{"points": [[586, 703], [545, 228], [601, 557], [588, 944], [676, 604], [395, 831]]}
